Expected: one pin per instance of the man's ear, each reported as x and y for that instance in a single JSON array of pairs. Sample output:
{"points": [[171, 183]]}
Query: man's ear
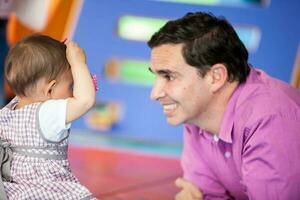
{"points": [[219, 76], [49, 88]]}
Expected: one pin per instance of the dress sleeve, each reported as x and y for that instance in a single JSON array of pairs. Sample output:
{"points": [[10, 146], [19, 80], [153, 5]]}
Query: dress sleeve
{"points": [[197, 171], [270, 159], [52, 120]]}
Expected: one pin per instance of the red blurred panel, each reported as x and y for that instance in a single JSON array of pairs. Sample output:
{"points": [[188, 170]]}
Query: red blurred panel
{"points": [[125, 175]]}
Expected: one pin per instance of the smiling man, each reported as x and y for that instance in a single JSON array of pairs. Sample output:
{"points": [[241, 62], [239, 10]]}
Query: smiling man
{"points": [[241, 126]]}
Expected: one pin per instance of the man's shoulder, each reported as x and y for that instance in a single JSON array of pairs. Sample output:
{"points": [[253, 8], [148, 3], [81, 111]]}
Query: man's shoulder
{"points": [[267, 96]]}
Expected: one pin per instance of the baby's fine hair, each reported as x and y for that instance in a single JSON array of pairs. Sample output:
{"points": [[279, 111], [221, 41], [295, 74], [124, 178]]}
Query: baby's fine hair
{"points": [[32, 58]]}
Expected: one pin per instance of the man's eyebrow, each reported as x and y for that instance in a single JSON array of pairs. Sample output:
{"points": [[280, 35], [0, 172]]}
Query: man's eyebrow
{"points": [[161, 72]]}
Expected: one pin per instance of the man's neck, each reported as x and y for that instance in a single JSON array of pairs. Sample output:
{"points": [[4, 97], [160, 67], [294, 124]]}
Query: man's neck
{"points": [[212, 119]]}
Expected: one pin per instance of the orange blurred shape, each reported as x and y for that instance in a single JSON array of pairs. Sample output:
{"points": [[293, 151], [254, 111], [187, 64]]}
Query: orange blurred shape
{"points": [[61, 19]]}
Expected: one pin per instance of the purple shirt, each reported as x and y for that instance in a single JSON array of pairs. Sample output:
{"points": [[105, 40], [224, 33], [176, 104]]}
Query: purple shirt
{"points": [[257, 152]]}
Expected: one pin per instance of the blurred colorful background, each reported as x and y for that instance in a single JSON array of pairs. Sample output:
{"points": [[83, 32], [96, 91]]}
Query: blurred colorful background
{"points": [[123, 148]]}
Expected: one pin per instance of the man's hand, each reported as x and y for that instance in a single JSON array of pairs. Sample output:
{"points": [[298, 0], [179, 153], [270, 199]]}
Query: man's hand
{"points": [[188, 190]]}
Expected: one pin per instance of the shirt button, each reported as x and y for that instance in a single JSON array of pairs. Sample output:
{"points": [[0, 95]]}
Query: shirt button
{"points": [[227, 154], [216, 138]]}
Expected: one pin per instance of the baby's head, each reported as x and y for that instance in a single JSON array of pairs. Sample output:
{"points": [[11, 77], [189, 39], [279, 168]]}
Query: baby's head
{"points": [[36, 62]]}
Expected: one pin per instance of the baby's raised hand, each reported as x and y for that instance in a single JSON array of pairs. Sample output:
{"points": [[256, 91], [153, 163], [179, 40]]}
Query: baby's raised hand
{"points": [[75, 54]]}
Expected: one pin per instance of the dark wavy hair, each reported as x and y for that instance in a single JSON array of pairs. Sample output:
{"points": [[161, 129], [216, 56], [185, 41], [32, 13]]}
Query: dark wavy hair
{"points": [[207, 40]]}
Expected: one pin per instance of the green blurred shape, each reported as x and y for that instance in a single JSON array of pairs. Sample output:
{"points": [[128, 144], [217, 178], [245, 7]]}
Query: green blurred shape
{"points": [[202, 2], [142, 28], [138, 28], [136, 72], [219, 2]]}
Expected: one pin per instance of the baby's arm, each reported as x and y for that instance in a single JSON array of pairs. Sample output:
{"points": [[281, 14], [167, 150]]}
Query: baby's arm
{"points": [[84, 94]]}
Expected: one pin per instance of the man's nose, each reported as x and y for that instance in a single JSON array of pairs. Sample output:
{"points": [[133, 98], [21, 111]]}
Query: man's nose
{"points": [[157, 92]]}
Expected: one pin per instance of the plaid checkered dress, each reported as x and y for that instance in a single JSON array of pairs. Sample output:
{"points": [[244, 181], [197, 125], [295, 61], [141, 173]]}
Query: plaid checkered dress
{"points": [[40, 169]]}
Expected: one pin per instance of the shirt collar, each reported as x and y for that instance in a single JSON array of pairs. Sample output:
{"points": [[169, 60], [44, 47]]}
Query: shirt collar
{"points": [[227, 121], [227, 124]]}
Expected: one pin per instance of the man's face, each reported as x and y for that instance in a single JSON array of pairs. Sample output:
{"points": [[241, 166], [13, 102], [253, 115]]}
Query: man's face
{"points": [[179, 88]]}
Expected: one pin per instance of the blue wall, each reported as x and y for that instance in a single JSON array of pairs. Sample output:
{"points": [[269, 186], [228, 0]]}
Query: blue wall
{"points": [[97, 32]]}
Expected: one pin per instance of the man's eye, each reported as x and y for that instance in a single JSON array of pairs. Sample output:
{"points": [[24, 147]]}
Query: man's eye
{"points": [[168, 77]]}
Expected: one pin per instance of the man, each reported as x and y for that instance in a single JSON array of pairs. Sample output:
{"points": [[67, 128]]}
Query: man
{"points": [[242, 127]]}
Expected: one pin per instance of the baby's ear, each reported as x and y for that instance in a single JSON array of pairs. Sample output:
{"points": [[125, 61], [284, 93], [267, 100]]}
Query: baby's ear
{"points": [[49, 88]]}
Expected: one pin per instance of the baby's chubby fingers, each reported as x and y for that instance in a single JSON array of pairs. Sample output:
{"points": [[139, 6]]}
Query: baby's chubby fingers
{"points": [[74, 53]]}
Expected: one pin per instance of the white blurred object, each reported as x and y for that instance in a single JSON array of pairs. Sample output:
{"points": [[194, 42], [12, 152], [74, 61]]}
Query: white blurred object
{"points": [[6, 6], [31, 13]]}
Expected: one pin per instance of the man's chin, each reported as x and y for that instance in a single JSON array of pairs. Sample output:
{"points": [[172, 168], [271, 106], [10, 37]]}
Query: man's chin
{"points": [[174, 121]]}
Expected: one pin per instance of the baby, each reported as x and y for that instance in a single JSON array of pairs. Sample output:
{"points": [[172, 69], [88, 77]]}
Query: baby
{"points": [[53, 87]]}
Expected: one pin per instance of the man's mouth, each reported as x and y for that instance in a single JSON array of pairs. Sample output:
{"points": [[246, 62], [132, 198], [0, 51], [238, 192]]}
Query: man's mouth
{"points": [[169, 109]]}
